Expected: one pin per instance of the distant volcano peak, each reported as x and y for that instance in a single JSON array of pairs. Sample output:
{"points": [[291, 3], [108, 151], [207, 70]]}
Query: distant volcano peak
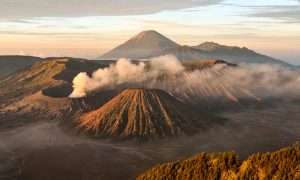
{"points": [[146, 33], [141, 45]]}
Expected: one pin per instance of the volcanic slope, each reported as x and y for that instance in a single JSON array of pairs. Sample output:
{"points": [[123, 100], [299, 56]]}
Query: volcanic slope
{"points": [[149, 44], [142, 114], [234, 54], [41, 92], [183, 53], [141, 46], [11, 64], [57, 74]]}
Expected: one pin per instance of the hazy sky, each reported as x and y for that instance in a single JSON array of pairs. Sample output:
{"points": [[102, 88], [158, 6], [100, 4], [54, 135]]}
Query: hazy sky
{"points": [[88, 28]]}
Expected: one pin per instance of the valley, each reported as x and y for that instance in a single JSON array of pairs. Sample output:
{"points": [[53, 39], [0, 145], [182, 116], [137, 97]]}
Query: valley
{"points": [[41, 149]]}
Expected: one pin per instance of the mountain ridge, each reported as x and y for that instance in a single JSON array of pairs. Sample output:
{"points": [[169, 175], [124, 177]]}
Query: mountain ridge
{"points": [[12, 63], [144, 46], [235, 54], [43, 75]]}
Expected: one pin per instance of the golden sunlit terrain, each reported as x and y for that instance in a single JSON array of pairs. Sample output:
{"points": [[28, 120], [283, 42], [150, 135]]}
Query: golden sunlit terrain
{"points": [[129, 89], [284, 163]]}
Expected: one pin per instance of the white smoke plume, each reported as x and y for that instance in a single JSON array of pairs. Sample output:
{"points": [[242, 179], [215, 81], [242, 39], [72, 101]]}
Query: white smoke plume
{"points": [[167, 63], [121, 72], [254, 81]]}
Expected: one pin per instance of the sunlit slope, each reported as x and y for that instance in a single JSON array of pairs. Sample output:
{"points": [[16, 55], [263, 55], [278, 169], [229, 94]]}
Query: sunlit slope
{"points": [[142, 113], [282, 164], [43, 75]]}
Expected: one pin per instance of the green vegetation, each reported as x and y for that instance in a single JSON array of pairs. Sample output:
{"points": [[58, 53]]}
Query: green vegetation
{"points": [[282, 164]]}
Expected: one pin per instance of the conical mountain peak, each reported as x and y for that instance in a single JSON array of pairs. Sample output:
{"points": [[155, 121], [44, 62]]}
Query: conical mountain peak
{"points": [[144, 34], [141, 113], [141, 45]]}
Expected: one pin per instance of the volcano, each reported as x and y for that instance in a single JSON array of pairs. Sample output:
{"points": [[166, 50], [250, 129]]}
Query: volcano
{"points": [[40, 92], [149, 44], [142, 114], [235, 54], [142, 45], [53, 77]]}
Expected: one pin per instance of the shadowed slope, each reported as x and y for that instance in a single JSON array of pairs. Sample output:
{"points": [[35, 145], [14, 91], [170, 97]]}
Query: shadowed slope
{"points": [[234, 54], [11, 64], [183, 53], [141, 113]]}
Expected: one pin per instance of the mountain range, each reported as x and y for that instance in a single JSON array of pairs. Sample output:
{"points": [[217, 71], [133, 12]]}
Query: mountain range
{"points": [[149, 44]]}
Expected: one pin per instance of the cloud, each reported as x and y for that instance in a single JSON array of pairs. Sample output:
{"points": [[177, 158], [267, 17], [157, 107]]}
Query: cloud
{"points": [[124, 72], [50, 33], [255, 81], [15, 9], [284, 12], [21, 21], [288, 14], [167, 63]]}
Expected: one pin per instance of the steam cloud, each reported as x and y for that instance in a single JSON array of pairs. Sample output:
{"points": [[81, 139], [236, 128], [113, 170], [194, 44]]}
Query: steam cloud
{"points": [[167, 73], [167, 63], [123, 71]]}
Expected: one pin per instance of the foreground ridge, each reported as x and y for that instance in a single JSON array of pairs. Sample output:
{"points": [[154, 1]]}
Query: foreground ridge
{"points": [[282, 164]]}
